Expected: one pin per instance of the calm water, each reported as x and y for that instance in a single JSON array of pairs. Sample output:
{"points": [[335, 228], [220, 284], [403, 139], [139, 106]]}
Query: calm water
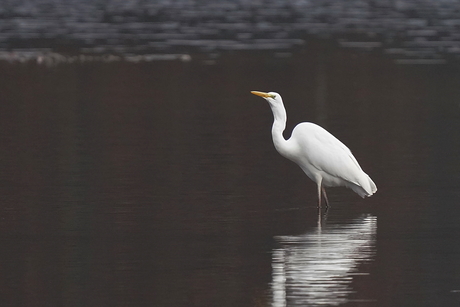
{"points": [[158, 185]]}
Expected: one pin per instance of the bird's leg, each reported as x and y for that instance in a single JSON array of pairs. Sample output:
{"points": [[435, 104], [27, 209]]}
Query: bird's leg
{"points": [[320, 220], [319, 194], [326, 200], [322, 217]]}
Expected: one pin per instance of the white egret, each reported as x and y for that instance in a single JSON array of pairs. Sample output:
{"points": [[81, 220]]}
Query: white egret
{"points": [[325, 159]]}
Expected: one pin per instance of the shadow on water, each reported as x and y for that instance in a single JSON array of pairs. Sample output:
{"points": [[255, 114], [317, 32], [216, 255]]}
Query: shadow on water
{"points": [[317, 268]]}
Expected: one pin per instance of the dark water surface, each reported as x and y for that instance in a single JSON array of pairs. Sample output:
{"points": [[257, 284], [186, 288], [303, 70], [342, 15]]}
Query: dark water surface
{"points": [[158, 185]]}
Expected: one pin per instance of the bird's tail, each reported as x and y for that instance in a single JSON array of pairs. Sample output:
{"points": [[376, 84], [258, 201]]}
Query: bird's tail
{"points": [[373, 186], [365, 188]]}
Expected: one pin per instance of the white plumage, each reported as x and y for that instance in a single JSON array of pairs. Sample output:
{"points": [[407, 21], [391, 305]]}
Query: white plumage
{"points": [[325, 159]]}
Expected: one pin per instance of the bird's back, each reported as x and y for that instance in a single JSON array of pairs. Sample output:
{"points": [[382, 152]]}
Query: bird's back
{"points": [[319, 153]]}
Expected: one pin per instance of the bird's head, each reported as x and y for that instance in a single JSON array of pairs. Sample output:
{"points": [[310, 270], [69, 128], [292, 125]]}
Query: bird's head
{"points": [[272, 97]]}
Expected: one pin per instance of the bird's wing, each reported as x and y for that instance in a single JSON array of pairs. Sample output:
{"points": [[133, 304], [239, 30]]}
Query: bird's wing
{"points": [[326, 153]]}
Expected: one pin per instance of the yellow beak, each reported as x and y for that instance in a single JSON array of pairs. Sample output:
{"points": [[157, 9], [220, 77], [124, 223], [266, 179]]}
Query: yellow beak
{"points": [[261, 94]]}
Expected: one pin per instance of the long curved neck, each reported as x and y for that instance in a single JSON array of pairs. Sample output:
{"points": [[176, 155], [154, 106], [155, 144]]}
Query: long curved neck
{"points": [[279, 124]]}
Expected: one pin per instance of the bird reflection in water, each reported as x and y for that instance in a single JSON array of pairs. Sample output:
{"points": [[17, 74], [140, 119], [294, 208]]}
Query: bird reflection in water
{"points": [[316, 268]]}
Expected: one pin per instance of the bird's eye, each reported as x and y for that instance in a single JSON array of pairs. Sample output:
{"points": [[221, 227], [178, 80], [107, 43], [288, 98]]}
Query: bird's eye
{"points": [[273, 96]]}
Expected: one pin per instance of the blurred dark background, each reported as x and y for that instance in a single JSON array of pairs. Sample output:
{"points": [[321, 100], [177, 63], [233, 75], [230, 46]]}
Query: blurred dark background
{"points": [[404, 29]]}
